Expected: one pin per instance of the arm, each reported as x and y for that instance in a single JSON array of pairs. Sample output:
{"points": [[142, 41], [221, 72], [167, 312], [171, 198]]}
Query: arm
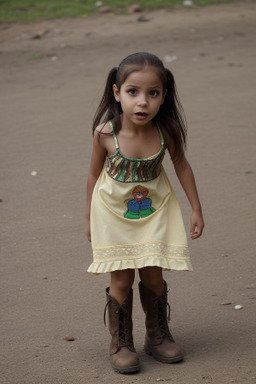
{"points": [[97, 162], [186, 177]]}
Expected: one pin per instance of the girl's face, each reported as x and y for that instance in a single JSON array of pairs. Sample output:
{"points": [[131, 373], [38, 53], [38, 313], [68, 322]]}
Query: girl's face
{"points": [[140, 96]]}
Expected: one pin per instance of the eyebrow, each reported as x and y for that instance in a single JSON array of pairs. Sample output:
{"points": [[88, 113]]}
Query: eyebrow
{"points": [[136, 86]]}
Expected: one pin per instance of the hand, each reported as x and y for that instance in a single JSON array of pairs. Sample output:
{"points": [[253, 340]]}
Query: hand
{"points": [[88, 230], [196, 224]]}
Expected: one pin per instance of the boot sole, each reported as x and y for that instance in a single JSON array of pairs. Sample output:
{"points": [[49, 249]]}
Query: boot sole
{"points": [[168, 360], [133, 369]]}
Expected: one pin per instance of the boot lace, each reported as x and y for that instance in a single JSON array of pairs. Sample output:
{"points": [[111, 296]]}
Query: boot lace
{"points": [[164, 315], [123, 333]]}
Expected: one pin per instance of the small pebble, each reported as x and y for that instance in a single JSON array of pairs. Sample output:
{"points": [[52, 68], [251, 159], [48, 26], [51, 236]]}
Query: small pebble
{"points": [[69, 338], [143, 18], [238, 306], [40, 34], [226, 303], [33, 173]]}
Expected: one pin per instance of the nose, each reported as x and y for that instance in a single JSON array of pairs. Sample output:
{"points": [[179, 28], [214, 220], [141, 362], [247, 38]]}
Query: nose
{"points": [[142, 102]]}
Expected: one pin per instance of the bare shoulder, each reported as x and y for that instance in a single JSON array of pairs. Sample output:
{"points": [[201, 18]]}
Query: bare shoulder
{"points": [[101, 132], [169, 144], [103, 128], [167, 139], [103, 137]]}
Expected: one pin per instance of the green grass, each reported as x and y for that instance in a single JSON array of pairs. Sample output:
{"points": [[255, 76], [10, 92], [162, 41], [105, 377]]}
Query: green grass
{"points": [[30, 10]]}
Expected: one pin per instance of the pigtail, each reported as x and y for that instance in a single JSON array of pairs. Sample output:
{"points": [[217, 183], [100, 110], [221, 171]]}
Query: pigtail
{"points": [[171, 117], [108, 107]]}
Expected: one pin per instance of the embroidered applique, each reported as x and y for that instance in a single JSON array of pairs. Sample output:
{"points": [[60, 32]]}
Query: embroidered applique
{"points": [[140, 206]]}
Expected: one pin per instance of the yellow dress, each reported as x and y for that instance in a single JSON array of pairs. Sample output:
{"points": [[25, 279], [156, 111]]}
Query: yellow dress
{"points": [[135, 216]]}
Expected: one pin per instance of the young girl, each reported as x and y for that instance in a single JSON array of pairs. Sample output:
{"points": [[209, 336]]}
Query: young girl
{"points": [[133, 219]]}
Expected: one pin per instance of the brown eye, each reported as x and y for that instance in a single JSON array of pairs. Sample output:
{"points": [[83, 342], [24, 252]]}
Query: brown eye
{"points": [[154, 93]]}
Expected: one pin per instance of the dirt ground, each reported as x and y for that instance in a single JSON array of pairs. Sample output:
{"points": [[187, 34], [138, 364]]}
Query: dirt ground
{"points": [[50, 88]]}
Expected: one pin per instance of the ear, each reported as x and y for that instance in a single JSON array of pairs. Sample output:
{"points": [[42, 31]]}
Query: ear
{"points": [[116, 92]]}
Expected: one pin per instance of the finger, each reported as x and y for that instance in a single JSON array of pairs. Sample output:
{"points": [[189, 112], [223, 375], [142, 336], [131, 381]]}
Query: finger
{"points": [[193, 229], [197, 233]]}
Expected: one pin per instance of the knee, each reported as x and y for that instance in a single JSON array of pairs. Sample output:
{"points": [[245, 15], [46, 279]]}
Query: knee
{"points": [[123, 285], [123, 281], [154, 284], [153, 280]]}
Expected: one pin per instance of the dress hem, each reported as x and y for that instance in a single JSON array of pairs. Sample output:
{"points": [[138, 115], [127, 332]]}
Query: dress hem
{"points": [[98, 268]]}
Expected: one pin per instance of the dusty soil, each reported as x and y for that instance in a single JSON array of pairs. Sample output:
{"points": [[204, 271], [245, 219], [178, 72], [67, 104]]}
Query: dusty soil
{"points": [[50, 88]]}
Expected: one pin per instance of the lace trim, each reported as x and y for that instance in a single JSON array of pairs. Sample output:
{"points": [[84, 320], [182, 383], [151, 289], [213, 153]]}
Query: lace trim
{"points": [[140, 250]]}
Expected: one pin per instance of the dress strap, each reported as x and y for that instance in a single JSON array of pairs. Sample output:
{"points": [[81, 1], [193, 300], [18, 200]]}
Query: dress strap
{"points": [[161, 136], [114, 135]]}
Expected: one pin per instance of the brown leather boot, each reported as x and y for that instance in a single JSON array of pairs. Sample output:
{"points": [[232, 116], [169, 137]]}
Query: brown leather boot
{"points": [[158, 341], [123, 356]]}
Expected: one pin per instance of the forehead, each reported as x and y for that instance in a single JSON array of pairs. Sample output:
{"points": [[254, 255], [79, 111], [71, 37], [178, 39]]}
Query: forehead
{"points": [[147, 77]]}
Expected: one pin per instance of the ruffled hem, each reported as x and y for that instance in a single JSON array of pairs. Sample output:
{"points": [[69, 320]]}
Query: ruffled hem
{"points": [[98, 268]]}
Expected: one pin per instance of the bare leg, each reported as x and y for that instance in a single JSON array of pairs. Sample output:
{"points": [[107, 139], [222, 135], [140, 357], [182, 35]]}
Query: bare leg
{"points": [[152, 278], [121, 284]]}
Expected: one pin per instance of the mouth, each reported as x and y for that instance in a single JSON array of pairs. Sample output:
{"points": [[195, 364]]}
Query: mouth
{"points": [[141, 115]]}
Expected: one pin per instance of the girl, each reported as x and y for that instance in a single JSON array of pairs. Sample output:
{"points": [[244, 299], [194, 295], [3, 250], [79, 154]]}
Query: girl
{"points": [[132, 217]]}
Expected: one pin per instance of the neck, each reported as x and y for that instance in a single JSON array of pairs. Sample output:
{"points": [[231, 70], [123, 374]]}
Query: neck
{"points": [[128, 126]]}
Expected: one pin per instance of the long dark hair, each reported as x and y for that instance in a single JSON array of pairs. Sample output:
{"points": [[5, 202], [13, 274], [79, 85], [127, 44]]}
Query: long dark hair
{"points": [[170, 117]]}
